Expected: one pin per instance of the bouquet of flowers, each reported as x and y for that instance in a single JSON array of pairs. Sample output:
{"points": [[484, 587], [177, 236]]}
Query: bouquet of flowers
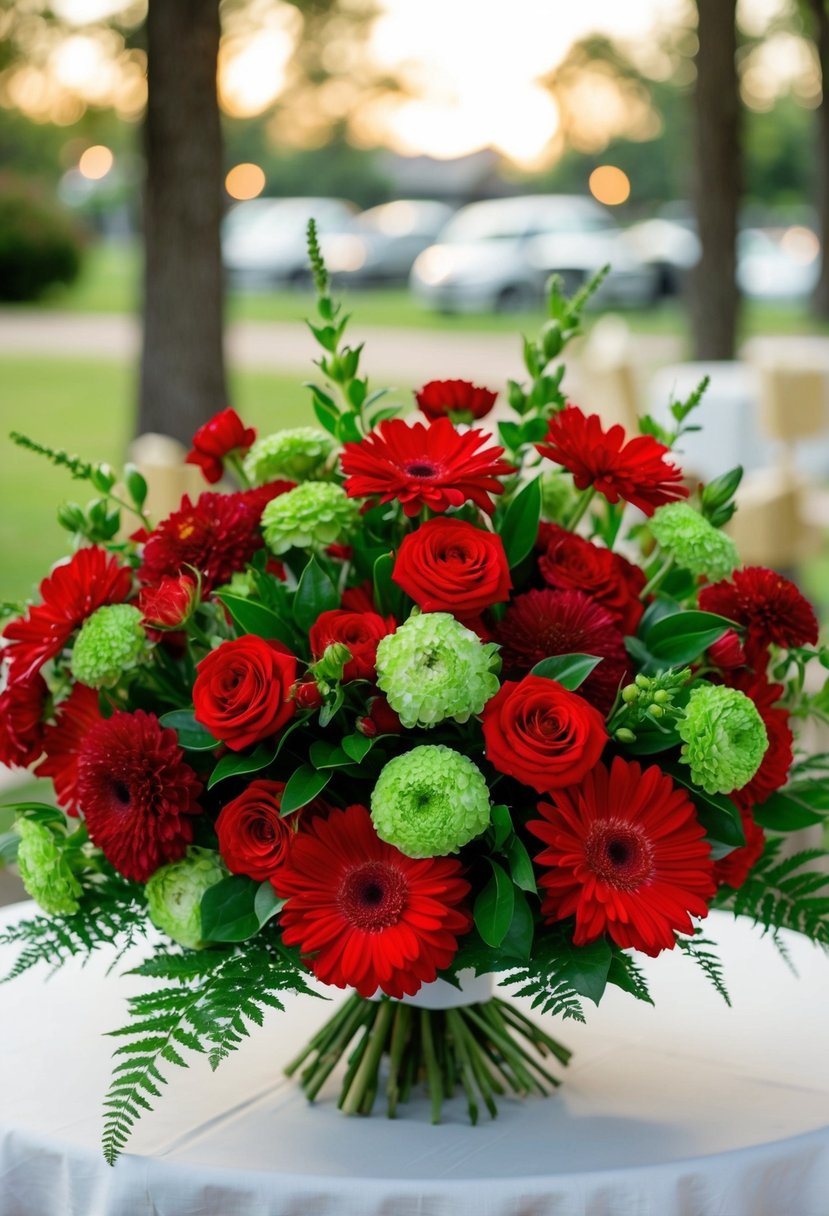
{"points": [[409, 704]]}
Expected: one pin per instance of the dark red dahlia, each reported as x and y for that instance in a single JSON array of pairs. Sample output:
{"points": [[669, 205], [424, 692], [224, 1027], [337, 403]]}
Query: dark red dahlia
{"points": [[540, 624], [569, 562], [433, 466], [365, 915], [21, 722], [777, 761], [62, 742], [733, 869], [768, 605], [633, 469], [71, 593], [217, 535], [459, 399], [223, 435], [137, 794]]}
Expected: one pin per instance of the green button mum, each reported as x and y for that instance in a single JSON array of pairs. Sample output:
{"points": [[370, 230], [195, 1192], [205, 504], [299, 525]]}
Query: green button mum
{"points": [[174, 894], [430, 801], [686, 536], [724, 738], [434, 668], [46, 873], [110, 642], [299, 453], [315, 513]]}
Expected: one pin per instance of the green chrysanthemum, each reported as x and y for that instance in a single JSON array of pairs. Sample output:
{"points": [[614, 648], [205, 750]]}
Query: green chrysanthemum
{"points": [[430, 801], [300, 454], [686, 536], [434, 668], [110, 642], [174, 894], [724, 738], [46, 873], [317, 512]]}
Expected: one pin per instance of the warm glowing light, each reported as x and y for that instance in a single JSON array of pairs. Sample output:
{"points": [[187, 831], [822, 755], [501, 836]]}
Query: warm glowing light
{"points": [[245, 181], [251, 75], [609, 185], [96, 162], [801, 244]]}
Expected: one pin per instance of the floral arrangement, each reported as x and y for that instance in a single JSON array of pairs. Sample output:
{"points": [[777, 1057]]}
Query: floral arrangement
{"points": [[410, 703]]}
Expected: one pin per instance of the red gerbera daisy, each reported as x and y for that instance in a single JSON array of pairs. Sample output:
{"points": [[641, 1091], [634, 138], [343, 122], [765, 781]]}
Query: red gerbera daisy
{"points": [[626, 856], [223, 434], [71, 593], [769, 606], [433, 466], [633, 469], [733, 869], [365, 915], [137, 794], [21, 722], [777, 761], [543, 623], [217, 535], [572, 563], [439, 398], [62, 741]]}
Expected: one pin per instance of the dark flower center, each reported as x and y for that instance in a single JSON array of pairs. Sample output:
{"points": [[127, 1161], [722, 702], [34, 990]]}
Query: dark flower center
{"points": [[619, 854], [121, 793], [422, 469], [373, 896]]}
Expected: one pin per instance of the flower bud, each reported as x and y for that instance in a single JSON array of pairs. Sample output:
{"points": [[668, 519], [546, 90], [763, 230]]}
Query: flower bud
{"points": [[625, 736], [630, 693], [171, 603], [307, 695]]}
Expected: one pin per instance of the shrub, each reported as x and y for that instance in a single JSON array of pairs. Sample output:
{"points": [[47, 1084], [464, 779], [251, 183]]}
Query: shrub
{"points": [[38, 245]]}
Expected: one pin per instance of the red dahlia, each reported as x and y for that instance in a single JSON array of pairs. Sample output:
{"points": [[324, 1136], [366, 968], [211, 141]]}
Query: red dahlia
{"points": [[570, 562], [626, 856], [635, 470], [769, 606], [217, 535], [540, 624], [359, 631], [71, 593], [442, 398], [21, 722], [433, 466], [223, 434], [137, 794], [74, 719], [733, 869], [774, 767], [365, 915]]}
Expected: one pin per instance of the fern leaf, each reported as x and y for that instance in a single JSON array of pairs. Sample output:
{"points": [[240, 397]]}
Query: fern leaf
{"points": [[788, 894], [547, 979], [626, 974], [700, 950]]}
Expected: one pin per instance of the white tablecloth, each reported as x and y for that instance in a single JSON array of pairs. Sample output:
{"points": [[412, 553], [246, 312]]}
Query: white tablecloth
{"points": [[688, 1109]]}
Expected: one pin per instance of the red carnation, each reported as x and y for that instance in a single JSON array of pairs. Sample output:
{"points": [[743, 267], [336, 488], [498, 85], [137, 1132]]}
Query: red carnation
{"points": [[424, 466], [365, 915], [62, 742], [733, 869], [171, 603], [768, 605], [448, 565], [359, 631], [253, 837], [541, 734], [137, 794], [71, 593], [626, 856], [21, 722], [540, 624], [217, 535], [635, 470], [777, 761], [242, 690], [459, 400], [224, 434], [571, 562]]}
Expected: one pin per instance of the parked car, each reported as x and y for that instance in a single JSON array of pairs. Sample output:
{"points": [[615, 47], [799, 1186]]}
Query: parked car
{"points": [[499, 255], [263, 241], [384, 241], [777, 265], [671, 248]]}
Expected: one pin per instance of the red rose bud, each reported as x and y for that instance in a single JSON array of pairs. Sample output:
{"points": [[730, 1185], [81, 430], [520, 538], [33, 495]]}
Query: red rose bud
{"points": [[366, 727], [383, 718], [171, 603], [727, 652], [223, 434], [456, 399], [306, 695], [341, 553]]}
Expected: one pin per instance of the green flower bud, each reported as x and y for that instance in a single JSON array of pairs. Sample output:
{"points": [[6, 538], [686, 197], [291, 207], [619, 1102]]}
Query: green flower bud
{"points": [[47, 875], [299, 454], [625, 736], [174, 894], [330, 667], [661, 696], [110, 642], [315, 513], [630, 693], [434, 668], [430, 801], [642, 682], [686, 536], [724, 738]]}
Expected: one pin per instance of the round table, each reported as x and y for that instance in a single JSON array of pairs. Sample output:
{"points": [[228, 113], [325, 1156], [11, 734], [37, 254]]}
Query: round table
{"points": [[685, 1109]]}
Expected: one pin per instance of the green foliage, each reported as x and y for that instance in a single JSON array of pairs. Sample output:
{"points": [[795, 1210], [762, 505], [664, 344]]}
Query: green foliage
{"points": [[626, 974], [700, 950], [560, 974], [38, 246], [788, 894]]}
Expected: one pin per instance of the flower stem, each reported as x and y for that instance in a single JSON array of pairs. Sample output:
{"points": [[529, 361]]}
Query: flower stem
{"points": [[583, 503], [662, 573], [366, 1075]]}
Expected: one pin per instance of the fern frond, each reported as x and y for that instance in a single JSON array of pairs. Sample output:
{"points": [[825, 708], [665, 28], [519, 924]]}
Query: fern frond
{"points": [[788, 894], [700, 950], [626, 974], [546, 979]]}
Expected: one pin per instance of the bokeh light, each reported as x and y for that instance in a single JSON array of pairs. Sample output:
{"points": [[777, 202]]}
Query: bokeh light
{"points": [[96, 162], [245, 181], [801, 244], [609, 185]]}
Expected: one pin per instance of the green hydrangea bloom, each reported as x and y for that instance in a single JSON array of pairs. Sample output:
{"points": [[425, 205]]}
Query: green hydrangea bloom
{"points": [[110, 642], [299, 454], [46, 873], [724, 738], [430, 801], [317, 512], [686, 536], [434, 668], [174, 895]]}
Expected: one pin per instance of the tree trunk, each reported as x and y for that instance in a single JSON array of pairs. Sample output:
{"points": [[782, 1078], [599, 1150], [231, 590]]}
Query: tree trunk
{"points": [[182, 362], [714, 294], [820, 18]]}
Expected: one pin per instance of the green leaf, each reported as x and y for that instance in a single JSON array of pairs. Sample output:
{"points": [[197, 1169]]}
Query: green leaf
{"points": [[235, 765], [717, 814], [501, 824], [791, 809], [9, 844], [495, 906], [228, 912], [568, 670], [518, 939], [255, 618], [509, 434], [624, 973], [356, 746], [650, 740], [520, 524], [521, 866], [191, 734], [303, 786], [390, 599], [324, 754], [266, 903], [682, 637], [315, 594], [586, 968]]}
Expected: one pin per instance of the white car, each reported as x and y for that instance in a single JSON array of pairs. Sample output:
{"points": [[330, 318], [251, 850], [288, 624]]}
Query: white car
{"points": [[773, 265], [263, 241], [385, 241], [499, 255]]}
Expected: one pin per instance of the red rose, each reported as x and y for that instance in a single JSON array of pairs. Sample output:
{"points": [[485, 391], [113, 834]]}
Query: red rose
{"points": [[456, 399], [171, 603], [223, 434], [449, 565], [242, 690], [541, 734], [253, 837], [359, 631], [570, 561]]}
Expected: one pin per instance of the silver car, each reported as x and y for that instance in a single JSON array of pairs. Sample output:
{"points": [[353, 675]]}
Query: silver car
{"points": [[263, 241]]}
